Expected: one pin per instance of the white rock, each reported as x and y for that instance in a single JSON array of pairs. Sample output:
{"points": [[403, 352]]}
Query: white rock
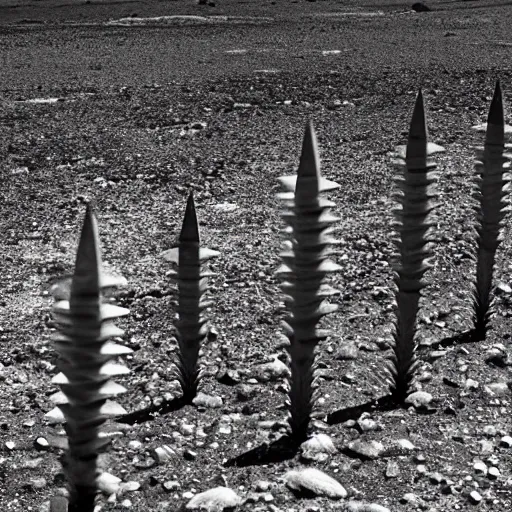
{"points": [[506, 441], [480, 468], [272, 371], [475, 497], [109, 484], [419, 399], [359, 506], [210, 402], [496, 389], [318, 447], [366, 449], [316, 482], [214, 500], [163, 453]]}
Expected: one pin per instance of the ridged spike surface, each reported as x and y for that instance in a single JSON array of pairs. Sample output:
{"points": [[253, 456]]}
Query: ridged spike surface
{"points": [[305, 266], [192, 324], [85, 329], [491, 192], [414, 221]]}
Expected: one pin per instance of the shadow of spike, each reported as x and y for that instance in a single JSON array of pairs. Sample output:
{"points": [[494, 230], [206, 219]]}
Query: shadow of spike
{"points": [[83, 342], [305, 265], [151, 412], [412, 243], [192, 327], [382, 404], [491, 166], [280, 450]]}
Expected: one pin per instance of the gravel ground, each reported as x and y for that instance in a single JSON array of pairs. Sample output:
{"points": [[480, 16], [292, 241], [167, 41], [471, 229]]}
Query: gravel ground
{"points": [[133, 117]]}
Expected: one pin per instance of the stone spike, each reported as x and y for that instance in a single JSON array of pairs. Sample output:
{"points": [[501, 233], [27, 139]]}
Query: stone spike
{"points": [[495, 133], [190, 228], [86, 280]]}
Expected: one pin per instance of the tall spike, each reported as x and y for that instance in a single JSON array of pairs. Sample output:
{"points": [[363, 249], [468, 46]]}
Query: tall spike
{"points": [[492, 162], [85, 351], [414, 222], [192, 325], [305, 265]]}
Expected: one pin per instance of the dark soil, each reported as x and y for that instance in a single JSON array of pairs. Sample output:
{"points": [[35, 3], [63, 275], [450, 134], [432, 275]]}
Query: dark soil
{"points": [[143, 114]]}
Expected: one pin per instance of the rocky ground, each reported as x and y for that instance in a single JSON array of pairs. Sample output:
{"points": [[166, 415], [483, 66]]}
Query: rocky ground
{"points": [[133, 115]]}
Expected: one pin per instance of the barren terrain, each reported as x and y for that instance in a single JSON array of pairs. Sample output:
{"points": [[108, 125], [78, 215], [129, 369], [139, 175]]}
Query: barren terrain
{"points": [[133, 114]]}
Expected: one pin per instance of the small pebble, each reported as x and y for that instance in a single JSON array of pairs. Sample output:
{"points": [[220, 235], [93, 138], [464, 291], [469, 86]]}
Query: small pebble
{"points": [[475, 497], [480, 468], [506, 442], [493, 473], [419, 399]]}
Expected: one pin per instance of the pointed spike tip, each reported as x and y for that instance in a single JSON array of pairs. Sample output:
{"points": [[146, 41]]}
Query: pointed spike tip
{"points": [[495, 132], [309, 166], [308, 182], [88, 256], [418, 126], [190, 228]]}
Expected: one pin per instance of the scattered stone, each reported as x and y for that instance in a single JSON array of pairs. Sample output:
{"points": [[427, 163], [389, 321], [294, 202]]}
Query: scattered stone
{"points": [[31, 463], [471, 384], [214, 500], [409, 497], [493, 473], [318, 448], [272, 371], [268, 497], [171, 485], [506, 441], [480, 468], [186, 429], [486, 446], [245, 392], [189, 455], [262, 485], [419, 399], [10, 445], [490, 431], [502, 287], [365, 450], [437, 354], [359, 506], [367, 425], [41, 443], [405, 445], [163, 453], [36, 483], [392, 469], [130, 486], [316, 482], [435, 478], [475, 497], [496, 388], [208, 401], [108, 484], [496, 357], [347, 351]]}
